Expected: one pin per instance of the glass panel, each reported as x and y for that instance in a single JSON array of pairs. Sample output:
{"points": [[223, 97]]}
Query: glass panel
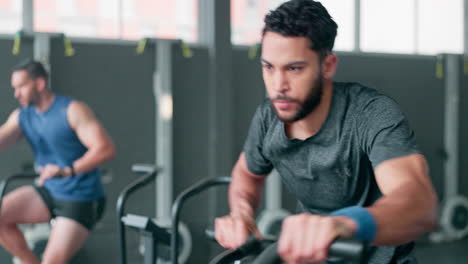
{"points": [[343, 13], [84, 18], [127, 19], [10, 15], [163, 19], [387, 26], [247, 20], [440, 26]]}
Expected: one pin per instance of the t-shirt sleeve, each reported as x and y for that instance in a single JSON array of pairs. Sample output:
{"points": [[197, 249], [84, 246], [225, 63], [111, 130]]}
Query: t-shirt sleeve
{"points": [[385, 131], [257, 163]]}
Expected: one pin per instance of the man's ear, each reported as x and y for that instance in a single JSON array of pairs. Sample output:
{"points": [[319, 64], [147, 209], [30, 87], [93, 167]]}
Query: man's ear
{"points": [[41, 84], [329, 64]]}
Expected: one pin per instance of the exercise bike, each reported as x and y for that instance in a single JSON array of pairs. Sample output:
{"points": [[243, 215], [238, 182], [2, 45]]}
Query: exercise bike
{"points": [[36, 235], [164, 243]]}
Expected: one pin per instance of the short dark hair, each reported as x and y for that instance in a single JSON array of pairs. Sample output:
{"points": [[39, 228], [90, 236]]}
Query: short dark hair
{"points": [[34, 69], [303, 18]]}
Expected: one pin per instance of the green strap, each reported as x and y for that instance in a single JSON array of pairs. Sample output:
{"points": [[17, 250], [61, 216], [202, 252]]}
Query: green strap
{"points": [[17, 44], [68, 48], [140, 49]]}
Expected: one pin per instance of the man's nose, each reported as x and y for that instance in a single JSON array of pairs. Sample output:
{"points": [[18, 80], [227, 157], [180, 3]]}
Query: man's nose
{"points": [[280, 82]]}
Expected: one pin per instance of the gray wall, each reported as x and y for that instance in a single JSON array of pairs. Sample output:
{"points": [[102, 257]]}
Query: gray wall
{"points": [[12, 160], [463, 148], [249, 92], [190, 140]]}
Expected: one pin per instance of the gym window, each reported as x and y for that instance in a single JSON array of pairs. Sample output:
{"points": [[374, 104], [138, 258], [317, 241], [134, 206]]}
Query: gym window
{"points": [[387, 26], [247, 20], [412, 26], [10, 15], [121, 19]]}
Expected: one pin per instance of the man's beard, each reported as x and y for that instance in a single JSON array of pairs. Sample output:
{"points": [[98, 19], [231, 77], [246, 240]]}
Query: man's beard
{"points": [[311, 102], [33, 97]]}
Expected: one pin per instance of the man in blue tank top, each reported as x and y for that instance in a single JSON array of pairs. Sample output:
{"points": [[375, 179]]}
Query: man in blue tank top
{"points": [[68, 143], [345, 151]]}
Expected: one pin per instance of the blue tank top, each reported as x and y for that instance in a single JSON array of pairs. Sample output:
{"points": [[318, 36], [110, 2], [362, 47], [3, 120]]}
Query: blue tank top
{"points": [[53, 141]]}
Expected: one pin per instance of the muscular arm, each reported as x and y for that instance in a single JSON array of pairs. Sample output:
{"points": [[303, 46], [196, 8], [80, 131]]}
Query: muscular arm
{"points": [[91, 133], [10, 131], [233, 230], [407, 208], [245, 190]]}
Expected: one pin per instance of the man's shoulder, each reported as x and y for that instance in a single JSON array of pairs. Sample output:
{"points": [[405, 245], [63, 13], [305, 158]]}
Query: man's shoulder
{"points": [[64, 99], [362, 97], [369, 107], [25, 111], [356, 90]]}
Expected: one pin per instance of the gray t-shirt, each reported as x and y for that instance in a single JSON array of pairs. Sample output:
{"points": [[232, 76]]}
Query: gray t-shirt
{"points": [[334, 168]]}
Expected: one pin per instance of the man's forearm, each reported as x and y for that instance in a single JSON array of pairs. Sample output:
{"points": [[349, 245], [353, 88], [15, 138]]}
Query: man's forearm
{"points": [[93, 158], [244, 190], [244, 196], [242, 204], [5, 143], [403, 216]]}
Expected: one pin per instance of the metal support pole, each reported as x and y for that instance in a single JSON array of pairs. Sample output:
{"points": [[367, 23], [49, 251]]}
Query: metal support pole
{"points": [[42, 48], [164, 152], [273, 191], [28, 16], [451, 127], [41, 51], [357, 25], [215, 33]]}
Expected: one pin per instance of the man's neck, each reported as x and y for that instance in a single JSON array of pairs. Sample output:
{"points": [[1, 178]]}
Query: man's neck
{"points": [[44, 101], [311, 124]]}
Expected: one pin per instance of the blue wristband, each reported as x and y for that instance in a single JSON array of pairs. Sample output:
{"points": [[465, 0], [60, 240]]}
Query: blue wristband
{"points": [[366, 226]]}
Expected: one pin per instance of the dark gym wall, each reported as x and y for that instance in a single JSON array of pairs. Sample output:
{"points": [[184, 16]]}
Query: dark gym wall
{"points": [[190, 140], [463, 132], [249, 92], [12, 160], [117, 84]]}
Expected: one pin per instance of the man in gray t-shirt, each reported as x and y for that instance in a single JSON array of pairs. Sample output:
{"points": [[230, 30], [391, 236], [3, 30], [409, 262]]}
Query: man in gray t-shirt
{"points": [[346, 151], [333, 168]]}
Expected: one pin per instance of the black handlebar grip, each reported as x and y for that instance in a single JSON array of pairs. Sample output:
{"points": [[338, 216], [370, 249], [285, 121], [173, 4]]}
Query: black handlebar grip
{"points": [[348, 249], [269, 255]]}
